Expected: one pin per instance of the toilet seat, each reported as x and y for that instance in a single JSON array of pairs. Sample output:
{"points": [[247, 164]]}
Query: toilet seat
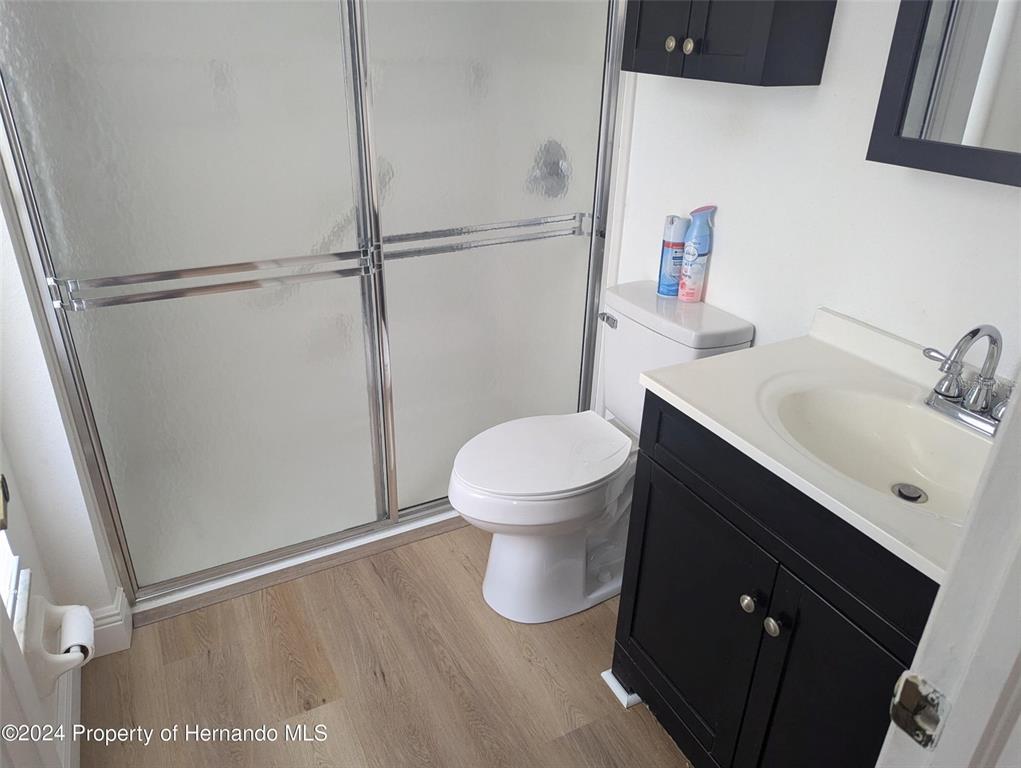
{"points": [[541, 470]]}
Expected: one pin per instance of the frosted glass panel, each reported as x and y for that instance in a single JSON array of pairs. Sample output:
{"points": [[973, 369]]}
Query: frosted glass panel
{"points": [[163, 135], [477, 338], [484, 111], [232, 424]]}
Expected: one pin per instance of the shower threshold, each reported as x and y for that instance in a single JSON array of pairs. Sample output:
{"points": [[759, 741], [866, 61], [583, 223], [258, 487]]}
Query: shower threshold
{"points": [[170, 599]]}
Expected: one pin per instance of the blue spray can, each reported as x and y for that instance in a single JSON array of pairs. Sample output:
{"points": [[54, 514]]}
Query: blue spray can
{"points": [[698, 244], [672, 255]]}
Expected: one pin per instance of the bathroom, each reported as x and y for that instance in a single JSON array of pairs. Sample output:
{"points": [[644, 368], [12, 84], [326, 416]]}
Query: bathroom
{"points": [[347, 417]]}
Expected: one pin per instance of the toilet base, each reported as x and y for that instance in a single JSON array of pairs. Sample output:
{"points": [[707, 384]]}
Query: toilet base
{"points": [[533, 579]]}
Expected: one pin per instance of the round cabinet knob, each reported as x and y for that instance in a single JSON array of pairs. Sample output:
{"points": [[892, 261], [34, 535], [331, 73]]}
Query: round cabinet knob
{"points": [[688, 46], [772, 626], [670, 43], [747, 603]]}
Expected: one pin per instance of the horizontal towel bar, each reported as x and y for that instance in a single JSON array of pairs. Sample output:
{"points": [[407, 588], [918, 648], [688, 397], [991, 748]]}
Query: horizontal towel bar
{"points": [[436, 234], [470, 244], [217, 269], [78, 304]]}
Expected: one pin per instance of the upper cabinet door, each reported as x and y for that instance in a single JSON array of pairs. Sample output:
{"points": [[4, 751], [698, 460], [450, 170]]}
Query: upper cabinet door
{"points": [[730, 39], [753, 42], [654, 36], [687, 620]]}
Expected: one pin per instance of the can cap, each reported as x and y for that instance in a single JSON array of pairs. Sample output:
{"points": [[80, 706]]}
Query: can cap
{"points": [[674, 228]]}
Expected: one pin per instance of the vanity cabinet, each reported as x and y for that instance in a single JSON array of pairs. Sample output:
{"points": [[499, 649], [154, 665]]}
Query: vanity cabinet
{"points": [[822, 686], [718, 550], [678, 619], [755, 42]]}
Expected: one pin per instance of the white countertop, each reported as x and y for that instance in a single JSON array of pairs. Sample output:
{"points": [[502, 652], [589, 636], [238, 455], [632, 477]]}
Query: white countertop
{"points": [[729, 395]]}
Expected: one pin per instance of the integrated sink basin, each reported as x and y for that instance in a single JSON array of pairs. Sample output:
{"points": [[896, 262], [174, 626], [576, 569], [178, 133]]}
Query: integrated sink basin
{"points": [[882, 435], [840, 414]]}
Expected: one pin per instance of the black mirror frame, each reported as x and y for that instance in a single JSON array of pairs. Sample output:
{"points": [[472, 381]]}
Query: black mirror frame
{"points": [[888, 146]]}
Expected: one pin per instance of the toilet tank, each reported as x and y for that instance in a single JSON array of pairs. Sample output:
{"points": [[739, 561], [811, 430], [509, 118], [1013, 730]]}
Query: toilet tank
{"points": [[654, 331]]}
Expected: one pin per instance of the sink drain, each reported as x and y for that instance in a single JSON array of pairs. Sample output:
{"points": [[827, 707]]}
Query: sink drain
{"points": [[909, 492]]}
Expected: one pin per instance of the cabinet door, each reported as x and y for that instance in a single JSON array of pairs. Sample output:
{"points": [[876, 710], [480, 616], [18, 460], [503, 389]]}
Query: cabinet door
{"points": [[649, 24], [731, 38], [682, 620], [822, 688]]}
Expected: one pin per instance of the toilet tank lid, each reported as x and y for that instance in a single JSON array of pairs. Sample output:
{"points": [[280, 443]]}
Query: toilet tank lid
{"points": [[696, 325]]}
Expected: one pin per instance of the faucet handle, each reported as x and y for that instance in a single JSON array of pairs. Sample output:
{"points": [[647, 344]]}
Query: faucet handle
{"points": [[947, 364], [1000, 409], [951, 386], [979, 396]]}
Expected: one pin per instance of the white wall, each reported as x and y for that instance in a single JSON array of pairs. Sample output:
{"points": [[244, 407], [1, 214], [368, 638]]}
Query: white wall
{"points": [[804, 220], [37, 458]]}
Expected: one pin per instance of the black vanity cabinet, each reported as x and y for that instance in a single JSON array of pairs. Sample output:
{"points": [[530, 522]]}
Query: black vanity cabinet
{"points": [[760, 629], [675, 619], [755, 42], [822, 685]]}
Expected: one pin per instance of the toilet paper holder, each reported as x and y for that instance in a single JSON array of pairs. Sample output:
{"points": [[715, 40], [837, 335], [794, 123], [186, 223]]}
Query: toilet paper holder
{"points": [[57, 639]]}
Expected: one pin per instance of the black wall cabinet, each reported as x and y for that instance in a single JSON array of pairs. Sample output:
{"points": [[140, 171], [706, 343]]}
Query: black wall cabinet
{"points": [[755, 42], [705, 569]]}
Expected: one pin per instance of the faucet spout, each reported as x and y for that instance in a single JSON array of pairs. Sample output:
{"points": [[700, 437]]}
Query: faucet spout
{"points": [[966, 342]]}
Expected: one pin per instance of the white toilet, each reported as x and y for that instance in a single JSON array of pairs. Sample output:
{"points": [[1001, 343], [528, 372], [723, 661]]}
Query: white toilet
{"points": [[555, 491]]}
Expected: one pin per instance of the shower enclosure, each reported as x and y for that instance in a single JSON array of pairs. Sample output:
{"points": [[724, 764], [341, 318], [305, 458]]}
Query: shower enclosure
{"points": [[283, 298]]}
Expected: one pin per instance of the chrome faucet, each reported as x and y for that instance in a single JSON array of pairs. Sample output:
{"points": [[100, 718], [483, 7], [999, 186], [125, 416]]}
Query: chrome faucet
{"points": [[972, 404]]}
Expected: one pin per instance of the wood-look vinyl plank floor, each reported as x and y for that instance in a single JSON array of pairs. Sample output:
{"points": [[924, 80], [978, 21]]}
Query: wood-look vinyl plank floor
{"points": [[396, 655]]}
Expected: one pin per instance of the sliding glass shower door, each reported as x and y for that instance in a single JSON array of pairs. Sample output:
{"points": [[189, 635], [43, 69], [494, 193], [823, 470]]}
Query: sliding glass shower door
{"points": [[295, 254], [486, 120], [194, 177]]}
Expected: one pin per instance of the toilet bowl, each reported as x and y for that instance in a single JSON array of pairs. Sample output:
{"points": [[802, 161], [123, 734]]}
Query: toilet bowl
{"points": [[555, 491]]}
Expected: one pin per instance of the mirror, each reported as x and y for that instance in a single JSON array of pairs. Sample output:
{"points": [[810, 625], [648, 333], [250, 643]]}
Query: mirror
{"points": [[967, 84], [951, 98]]}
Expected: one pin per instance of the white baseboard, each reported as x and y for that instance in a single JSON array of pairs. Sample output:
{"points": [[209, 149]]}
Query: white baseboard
{"points": [[627, 700], [113, 625], [69, 714]]}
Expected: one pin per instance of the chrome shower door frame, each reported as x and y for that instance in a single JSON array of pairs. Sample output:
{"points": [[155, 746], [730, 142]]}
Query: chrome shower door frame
{"points": [[53, 298], [615, 20]]}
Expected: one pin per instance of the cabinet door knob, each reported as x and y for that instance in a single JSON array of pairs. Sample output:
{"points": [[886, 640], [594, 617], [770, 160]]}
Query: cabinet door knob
{"points": [[772, 626], [670, 44], [747, 603], [688, 46]]}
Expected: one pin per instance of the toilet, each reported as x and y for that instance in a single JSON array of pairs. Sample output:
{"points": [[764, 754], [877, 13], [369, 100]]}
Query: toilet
{"points": [[555, 491]]}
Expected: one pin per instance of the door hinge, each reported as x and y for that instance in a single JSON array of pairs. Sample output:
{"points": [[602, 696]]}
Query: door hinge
{"points": [[918, 709]]}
